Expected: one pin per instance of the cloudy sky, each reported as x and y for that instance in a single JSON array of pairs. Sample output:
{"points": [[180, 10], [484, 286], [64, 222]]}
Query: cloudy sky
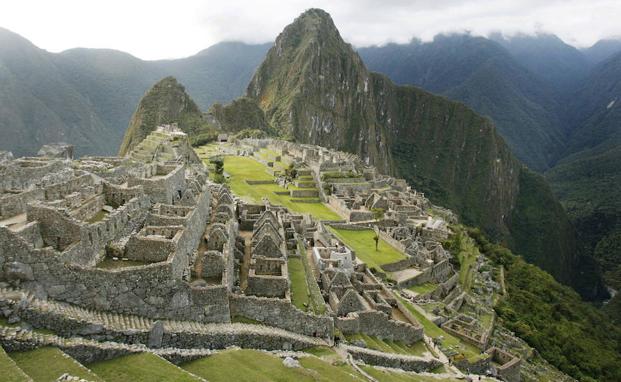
{"points": [[153, 29]]}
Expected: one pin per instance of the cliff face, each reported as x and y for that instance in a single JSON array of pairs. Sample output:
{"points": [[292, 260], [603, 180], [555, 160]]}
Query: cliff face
{"points": [[166, 102], [315, 89]]}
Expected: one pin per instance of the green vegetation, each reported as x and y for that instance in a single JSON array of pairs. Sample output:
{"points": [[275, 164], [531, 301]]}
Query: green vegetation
{"points": [[384, 375], [320, 351], [299, 290], [464, 249], [47, 364], [241, 115], [569, 333], [423, 289], [97, 217], [316, 300], [253, 365], [449, 342], [363, 244], [166, 102], [396, 347], [145, 367], [9, 371], [242, 168], [245, 320]]}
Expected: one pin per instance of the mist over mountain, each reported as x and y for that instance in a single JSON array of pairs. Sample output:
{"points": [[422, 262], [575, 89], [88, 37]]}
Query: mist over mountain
{"points": [[486, 77], [87, 96]]}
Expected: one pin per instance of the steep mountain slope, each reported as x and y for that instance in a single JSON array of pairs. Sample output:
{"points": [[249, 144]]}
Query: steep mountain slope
{"points": [[546, 55], [602, 50], [588, 179], [482, 74], [314, 88], [86, 96], [113, 81], [39, 106], [219, 73], [166, 102]]}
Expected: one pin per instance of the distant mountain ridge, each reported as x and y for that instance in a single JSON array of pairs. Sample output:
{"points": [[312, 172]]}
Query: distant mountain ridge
{"points": [[485, 76], [87, 96]]}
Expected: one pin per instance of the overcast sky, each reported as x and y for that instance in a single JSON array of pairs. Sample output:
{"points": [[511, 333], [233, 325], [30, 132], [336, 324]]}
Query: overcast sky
{"points": [[153, 29]]}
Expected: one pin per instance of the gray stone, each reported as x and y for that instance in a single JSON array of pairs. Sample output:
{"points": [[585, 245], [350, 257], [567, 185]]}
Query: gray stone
{"points": [[156, 334], [59, 150], [290, 362], [18, 271]]}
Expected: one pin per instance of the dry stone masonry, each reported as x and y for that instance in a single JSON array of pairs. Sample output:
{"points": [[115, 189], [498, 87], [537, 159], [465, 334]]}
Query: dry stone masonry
{"points": [[145, 253]]}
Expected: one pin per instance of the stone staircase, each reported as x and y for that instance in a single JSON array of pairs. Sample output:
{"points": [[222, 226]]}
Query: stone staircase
{"points": [[69, 320], [85, 351], [149, 147]]}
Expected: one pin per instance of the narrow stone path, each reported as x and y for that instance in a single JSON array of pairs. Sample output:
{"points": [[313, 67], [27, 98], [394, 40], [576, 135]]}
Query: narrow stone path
{"points": [[245, 265]]}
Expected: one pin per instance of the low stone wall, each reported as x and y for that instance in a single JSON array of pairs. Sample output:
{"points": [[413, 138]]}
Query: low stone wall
{"points": [[83, 351], [282, 314], [479, 366], [397, 361], [64, 321], [349, 227], [306, 193], [378, 324], [399, 265], [154, 290], [359, 216], [390, 240], [258, 182], [339, 206]]}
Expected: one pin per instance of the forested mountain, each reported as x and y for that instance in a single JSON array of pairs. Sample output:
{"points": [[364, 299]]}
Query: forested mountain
{"points": [[588, 178], [560, 65], [602, 50], [486, 77], [38, 105], [580, 101], [314, 88], [86, 96]]}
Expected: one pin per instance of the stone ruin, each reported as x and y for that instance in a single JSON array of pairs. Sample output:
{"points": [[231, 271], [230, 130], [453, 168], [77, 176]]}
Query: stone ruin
{"points": [[144, 249]]}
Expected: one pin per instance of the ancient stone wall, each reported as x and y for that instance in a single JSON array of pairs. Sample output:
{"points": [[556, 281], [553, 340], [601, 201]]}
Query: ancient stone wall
{"points": [[282, 314], [396, 361], [154, 290], [378, 324], [162, 188]]}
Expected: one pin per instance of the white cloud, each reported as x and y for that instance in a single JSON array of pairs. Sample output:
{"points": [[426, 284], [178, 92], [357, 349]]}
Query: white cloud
{"points": [[164, 29]]}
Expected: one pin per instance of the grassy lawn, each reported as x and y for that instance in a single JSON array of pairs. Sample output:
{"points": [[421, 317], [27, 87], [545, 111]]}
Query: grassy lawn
{"points": [[384, 375], [252, 365], [434, 331], [47, 364], [320, 351], [299, 289], [9, 371], [242, 168], [387, 346], [140, 367], [363, 244], [423, 288]]}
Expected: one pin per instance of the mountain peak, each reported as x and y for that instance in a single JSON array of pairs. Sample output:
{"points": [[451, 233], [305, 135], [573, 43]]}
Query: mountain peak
{"points": [[313, 24], [166, 102]]}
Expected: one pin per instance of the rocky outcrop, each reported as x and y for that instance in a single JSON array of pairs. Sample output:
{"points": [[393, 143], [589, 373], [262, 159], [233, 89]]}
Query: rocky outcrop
{"points": [[165, 103]]}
